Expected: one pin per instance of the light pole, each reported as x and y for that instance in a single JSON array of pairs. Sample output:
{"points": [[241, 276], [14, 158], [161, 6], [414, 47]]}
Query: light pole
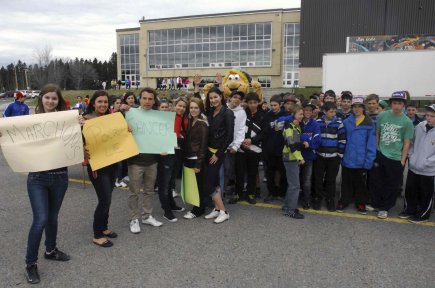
{"points": [[16, 80], [25, 76]]}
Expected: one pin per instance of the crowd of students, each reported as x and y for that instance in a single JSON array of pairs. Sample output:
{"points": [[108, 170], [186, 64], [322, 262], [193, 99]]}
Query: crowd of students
{"points": [[304, 146]]}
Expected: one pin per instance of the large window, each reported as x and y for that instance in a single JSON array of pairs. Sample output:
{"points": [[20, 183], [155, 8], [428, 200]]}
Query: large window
{"points": [[291, 55], [130, 57], [265, 81], [245, 45]]}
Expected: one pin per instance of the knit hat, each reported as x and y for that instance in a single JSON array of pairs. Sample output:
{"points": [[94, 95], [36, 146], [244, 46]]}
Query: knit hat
{"points": [[430, 107], [358, 100], [237, 92], [383, 104], [19, 95], [398, 95]]}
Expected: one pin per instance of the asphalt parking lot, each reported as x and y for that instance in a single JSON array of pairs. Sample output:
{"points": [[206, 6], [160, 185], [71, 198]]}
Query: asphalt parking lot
{"points": [[257, 247]]}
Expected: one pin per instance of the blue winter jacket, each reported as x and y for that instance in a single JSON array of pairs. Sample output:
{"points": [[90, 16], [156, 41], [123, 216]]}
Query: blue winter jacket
{"points": [[310, 134], [360, 149], [16, 108]]}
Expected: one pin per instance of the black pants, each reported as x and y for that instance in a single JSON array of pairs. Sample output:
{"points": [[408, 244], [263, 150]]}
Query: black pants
{"points": [[419, 195], [176, 170], [165, 170], [385, 182], [103, 181], [325, 169], [246, 163], [198, 211], [353, 186], [275, 164]]}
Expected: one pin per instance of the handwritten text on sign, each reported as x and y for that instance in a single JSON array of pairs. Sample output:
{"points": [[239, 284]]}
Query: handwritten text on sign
{"points": [[42, 142], [152, 130], [108, 140]]}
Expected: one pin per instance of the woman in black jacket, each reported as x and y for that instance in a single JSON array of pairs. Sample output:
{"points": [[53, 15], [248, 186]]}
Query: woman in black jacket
{"points": [[220, 136], [195, 151]]}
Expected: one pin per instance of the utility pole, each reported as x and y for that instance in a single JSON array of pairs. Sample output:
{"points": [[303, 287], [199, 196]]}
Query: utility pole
{"points": [[25, 76], [16, 80]]}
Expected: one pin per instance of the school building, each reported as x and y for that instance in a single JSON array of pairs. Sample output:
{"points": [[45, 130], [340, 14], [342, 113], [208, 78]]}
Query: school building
{"points": [[280, 48]]}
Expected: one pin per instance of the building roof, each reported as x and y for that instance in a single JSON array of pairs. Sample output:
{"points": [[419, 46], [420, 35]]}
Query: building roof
{"points": [[219, 15], [128, 29]]}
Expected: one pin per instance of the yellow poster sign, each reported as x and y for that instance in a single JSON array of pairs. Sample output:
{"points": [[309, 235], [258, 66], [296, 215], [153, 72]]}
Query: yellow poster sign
{"points": [[108, 140], [189, 187]]}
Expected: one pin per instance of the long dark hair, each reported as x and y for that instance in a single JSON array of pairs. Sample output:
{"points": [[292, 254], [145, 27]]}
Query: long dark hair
{"points": [[208, 108], [61, 106], [90, 108]]}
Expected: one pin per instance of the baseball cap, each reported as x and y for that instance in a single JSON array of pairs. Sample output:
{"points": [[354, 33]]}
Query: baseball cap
{"points": [[358, 100], [398, 95], [430, 107], [308, 104], [19, 94]]}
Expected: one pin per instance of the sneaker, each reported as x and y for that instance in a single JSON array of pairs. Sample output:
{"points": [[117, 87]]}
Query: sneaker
{"points": [[117, 184], [223, 216], [178, 209], [122, 184], [170, 217], [295, 214], [405, 215], [175, 194], [134, 226], [251, 200], [126, 179], [370, 208], [382, 214], [361, 208], [32, 274], [152, 221], [56, 255], [417, 220], [189, 215], [212, 214], [234, 199], [316, 205], [340, 207], [306, 205], [265, 180], [269, 198]]}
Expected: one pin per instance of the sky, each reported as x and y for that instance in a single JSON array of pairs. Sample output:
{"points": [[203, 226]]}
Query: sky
{"points": [[86, 28]]}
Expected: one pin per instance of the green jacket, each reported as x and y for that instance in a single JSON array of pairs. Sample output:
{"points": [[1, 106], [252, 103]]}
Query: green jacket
{"points": [[293, 146]]}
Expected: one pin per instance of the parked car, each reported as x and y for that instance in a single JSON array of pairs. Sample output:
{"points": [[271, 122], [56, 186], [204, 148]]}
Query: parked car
{"points": [[34, 93], [8, 94]]}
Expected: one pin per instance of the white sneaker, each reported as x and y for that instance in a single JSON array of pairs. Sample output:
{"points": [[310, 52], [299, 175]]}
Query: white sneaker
{"points": [[122, 184], [175, 194], [152, 221], [126, 179], [189, 215], [223, 216], [134, 226], [370, 208], [213, 214], [382, 214], [117, 184]]}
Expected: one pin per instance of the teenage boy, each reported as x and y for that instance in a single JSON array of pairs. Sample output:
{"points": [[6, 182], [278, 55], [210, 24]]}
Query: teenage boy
{"points": [[249, 154], [411, 112], [372, 104], [239, 135], [273, 144], [310, 139], [394, 132], [18, 107], [346, 101], [142, 171], [420, 181], [329, 156], [330, 97], [358, 157]]}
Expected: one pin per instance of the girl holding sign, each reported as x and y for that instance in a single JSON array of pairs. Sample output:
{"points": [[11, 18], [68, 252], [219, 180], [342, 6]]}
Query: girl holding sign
{"points": [[102, 179], [46, 191], [220, 136], [196, 149]]}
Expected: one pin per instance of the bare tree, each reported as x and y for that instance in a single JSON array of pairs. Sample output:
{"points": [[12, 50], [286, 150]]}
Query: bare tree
{"points": [[43, 56]]}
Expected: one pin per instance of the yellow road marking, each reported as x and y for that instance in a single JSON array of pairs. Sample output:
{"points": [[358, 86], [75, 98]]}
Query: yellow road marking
{"points": [[312, 211]]}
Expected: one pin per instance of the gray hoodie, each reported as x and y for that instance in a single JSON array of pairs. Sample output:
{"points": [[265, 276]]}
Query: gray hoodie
{"points": [[422, 151]]}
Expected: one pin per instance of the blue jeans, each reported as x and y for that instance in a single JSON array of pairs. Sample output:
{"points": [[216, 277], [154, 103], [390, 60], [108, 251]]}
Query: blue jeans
{"points": [[46, 192], [292, 195], [165, 171], [306, 179]]}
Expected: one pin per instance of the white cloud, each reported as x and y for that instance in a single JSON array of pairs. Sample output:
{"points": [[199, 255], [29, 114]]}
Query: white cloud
{"points": [[86, 29]]}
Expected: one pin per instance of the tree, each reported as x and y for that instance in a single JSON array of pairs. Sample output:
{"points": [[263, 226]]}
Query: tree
{"points": [[81, 73]]}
